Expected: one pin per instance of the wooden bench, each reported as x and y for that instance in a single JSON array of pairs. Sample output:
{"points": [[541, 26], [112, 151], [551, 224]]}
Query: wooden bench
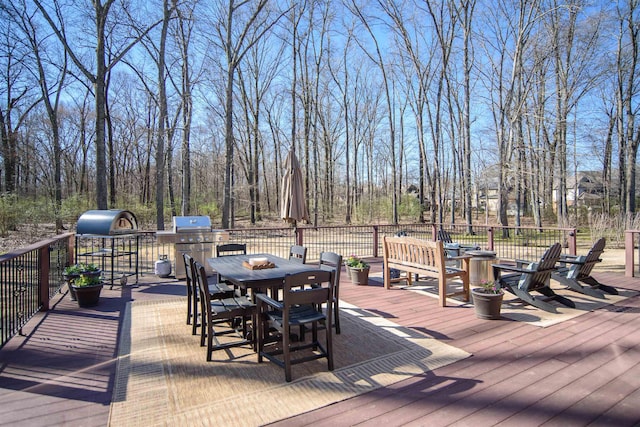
{"points": [[426, 258]]}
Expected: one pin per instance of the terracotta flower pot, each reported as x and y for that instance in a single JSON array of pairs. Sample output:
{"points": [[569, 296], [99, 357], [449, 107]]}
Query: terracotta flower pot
{"points": [[487, 305]]}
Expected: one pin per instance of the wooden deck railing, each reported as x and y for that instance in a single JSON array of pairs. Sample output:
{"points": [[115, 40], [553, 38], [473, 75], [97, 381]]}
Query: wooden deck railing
{"points": [[31, 276], [630, 239]]}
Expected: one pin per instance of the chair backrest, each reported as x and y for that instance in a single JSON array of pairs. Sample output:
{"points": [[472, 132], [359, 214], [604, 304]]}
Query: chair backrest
{"points": [[188, 260], [200, 279], [331, 261], [319, 290], [298, 253], [592, 257], [542, 269], [444, 236], [231, 249]]}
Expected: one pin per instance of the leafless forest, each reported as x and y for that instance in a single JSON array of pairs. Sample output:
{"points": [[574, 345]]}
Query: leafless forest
{"points": [[416, 110]]}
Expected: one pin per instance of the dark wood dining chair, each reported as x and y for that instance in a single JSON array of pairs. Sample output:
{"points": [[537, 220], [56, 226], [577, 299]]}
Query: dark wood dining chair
{"points": [[331, 261], [228, 249], [231, 249], [224, 309], [298, 253], [301, 306], [216, 290]]}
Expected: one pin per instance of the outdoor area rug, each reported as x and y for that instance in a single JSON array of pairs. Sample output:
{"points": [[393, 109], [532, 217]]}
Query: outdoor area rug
{"points": [[163, 377], [514, 309]]}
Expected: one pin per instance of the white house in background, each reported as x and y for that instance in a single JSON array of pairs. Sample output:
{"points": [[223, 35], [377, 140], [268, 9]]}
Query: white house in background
{"points": [[584, 189]]}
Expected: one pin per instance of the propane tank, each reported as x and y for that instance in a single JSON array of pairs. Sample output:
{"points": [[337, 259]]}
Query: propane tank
{"points": [[163, 267]]}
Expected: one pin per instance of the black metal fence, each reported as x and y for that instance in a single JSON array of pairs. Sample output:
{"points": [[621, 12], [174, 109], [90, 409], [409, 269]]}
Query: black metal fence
{"points": [[31, 276]]}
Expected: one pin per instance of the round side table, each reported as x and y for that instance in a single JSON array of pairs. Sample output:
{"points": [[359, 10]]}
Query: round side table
{"points": [[480, 266]]}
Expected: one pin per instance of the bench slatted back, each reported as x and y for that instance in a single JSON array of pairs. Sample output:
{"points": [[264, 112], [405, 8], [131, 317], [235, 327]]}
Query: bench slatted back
{"points": [[414, 252]]}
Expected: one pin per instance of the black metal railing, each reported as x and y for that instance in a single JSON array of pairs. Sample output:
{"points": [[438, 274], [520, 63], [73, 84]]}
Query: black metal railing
{"points": [[29, 278]]}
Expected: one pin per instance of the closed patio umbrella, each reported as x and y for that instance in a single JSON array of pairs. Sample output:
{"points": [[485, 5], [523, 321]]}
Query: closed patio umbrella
{"points": [[293, 207]]}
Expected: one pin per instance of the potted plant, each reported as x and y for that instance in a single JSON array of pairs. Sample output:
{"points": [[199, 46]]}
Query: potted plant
{"points": [[87, 289], [487, 300], [358, 270], [73, 272]]}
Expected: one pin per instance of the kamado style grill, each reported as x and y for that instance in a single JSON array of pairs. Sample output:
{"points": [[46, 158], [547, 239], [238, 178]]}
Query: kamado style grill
{"points": [[109, 239], [192, 235]]}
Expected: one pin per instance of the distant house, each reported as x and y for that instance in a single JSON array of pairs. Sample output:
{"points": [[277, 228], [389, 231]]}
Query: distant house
{"points": [[486, 191], [584, 189]]}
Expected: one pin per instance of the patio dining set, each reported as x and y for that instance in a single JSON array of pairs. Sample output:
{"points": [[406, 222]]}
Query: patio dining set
{"points": [[266, 302]]}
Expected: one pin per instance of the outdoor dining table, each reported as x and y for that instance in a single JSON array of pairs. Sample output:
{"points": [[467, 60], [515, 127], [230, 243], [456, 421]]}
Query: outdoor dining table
{"points": [[232, 269]]}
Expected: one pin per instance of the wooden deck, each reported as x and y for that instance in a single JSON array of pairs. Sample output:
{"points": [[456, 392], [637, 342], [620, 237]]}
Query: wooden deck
{"points": [[584, 371]]}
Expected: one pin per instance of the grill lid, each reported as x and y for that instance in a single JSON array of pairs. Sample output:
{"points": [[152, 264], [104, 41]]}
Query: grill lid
{"points": [[107, 222], [186, 224]]}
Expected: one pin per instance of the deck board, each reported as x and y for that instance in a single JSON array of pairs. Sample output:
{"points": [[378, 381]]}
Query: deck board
{"points": [[518, 375], [584, 371]]}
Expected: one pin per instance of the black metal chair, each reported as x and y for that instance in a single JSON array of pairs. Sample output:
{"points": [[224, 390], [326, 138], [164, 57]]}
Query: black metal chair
{"points": [[574, 269], [298, 253], [225, 309], [535, 277], [304, 294]]}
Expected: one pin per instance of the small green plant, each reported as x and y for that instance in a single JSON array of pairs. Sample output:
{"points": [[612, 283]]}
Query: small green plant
{"points": [[355, 262], [85, 280], [490, 287], [79, 268]]}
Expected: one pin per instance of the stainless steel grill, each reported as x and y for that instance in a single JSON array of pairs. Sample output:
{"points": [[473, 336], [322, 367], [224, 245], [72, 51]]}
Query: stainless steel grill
{"points": [[192, 235]]}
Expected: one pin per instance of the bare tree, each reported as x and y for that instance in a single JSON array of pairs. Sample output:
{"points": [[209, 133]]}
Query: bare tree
{"points": [[255, 77], [20, 96], [465, 9], [97, 77], [627, 106], [506, 41], [184, 31], [377, 58], [235, 42], [573, 54], [50, 88]]}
